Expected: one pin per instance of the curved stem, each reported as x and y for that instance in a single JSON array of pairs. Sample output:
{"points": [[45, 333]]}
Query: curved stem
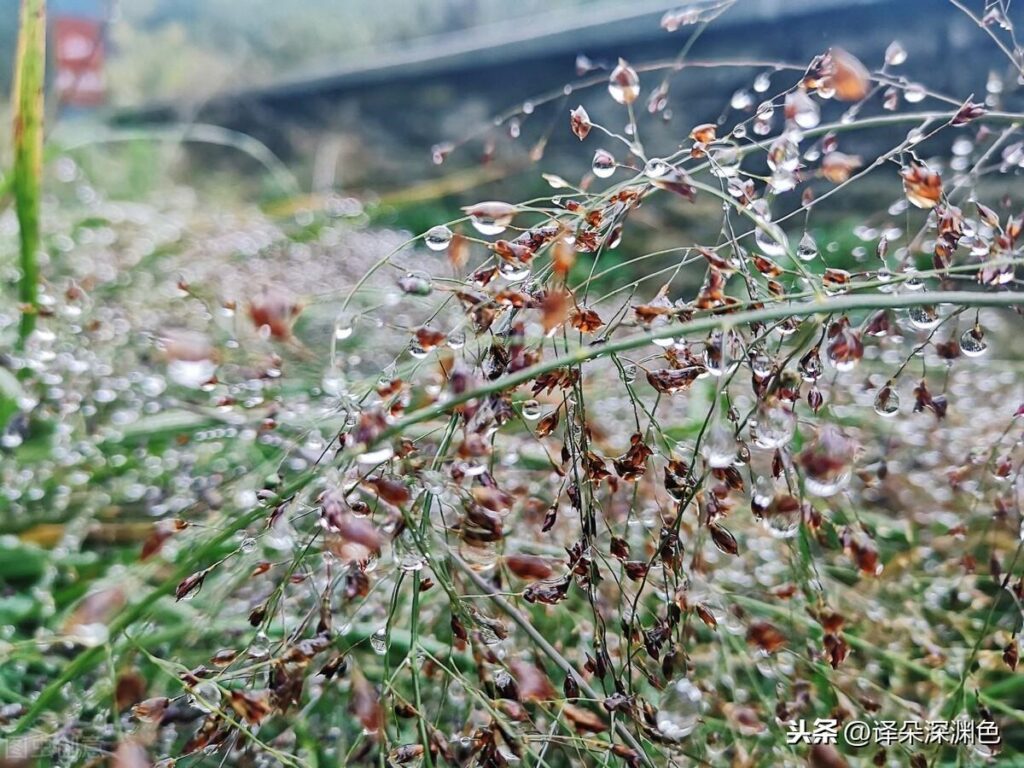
{"points": [[548, 650], [827, 305]]}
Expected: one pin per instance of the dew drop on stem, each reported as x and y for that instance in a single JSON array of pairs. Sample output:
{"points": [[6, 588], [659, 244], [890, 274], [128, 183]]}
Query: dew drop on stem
{"points": [[603, 164], [679, 709], [807, 249], [378, 641], [887, 401], [972, 342], [437, 238]]}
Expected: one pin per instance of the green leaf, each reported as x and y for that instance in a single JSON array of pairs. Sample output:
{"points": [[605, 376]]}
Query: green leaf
{"points": [[20, 561], [30, 66]]}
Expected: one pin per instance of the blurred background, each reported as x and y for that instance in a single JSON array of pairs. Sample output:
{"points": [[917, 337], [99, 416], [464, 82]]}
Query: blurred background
{"points": [[365, 97], [395, 113]]}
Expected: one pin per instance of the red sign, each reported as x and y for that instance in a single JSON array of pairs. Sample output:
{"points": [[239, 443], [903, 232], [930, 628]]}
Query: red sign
{"points": [[79, 54]]}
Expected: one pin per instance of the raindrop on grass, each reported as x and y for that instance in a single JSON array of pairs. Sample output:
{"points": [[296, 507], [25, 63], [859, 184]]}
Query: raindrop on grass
{"points": [[603, 164], [490, 218], [720, 448], [457, 339], [379, 641], [887, 401], [376, 456], [191, 373], [513, 272], [438, 238], [807, 250], [343, 327], [741, 100], [761, 365], [531, 410], [416, 284], [895, 54], [914, 93], [624, 83], [972, 342], [924, 317], [774, 427], [656, 168], [679, 710], [769, 237]]}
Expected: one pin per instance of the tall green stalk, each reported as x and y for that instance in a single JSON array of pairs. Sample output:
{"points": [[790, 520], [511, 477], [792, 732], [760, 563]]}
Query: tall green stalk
{"points": [[30, 67]]}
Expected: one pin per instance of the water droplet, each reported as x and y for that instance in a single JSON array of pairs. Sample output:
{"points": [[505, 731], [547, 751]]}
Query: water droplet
{"points": [[376, 456], [802, 110], [344, 325], [248, 545], [827, 486], [784, 154], [972, 342], [624, 83], [191, 373], [720, 448], [614, 238], [333, 381], [411, 562], [490, 218], [725, 160], [782, 523], [513, 272], [656, 168], [206, 696], [895, 54], [603, 164], [913, 282], [531, 410], [416, 284], [762, 82], [887, 401], [761, 365], [379, 641], [457, 338], [807, 250], [924, 317], [774, 427], [259, 648], [437, 238], [770, 239], [679, 710], [481, 556], [741, 100], [914, 93]]}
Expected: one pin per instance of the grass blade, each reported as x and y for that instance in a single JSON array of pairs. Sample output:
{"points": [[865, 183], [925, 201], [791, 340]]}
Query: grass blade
{"points": [[30, 67]]}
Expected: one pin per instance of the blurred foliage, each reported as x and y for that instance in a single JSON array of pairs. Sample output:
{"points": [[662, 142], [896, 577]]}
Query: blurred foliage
{"points": [[219, 43]]}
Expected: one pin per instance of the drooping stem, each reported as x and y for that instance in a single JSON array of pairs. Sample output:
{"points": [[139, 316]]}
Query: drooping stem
{"points": [[831, 305], [30, 67], [547, 649]]}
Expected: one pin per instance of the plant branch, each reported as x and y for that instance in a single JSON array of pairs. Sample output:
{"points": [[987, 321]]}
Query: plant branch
{"points": [[547, 649], [831, 305]]}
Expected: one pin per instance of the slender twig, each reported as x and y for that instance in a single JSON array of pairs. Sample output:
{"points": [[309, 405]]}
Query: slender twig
{"points": [[547, 649]]}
